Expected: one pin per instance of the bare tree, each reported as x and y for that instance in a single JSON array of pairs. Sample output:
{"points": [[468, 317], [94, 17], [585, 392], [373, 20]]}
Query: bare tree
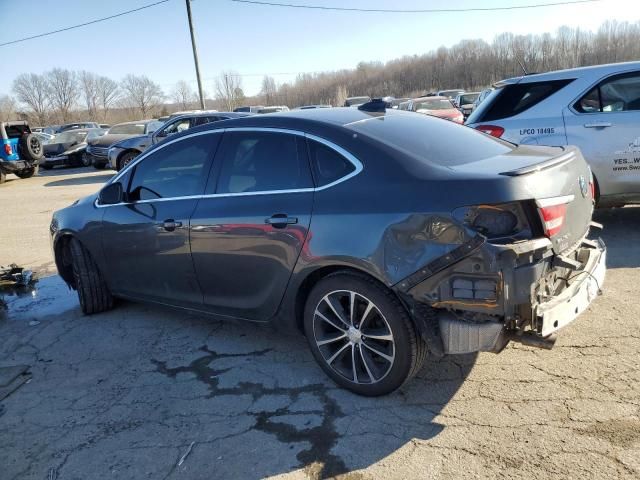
{"points": [[268, 90], [7, 108], [63, 91], [90, 92], [228, 90], [141, 93], [32, 90], [341, 96], [183, 95], [108, 92]]}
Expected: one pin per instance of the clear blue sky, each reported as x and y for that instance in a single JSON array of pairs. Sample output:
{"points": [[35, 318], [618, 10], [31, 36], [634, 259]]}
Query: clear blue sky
{"points": [[255, 40]]}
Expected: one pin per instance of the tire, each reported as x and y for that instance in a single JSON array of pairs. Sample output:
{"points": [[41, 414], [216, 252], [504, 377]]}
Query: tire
{"points": [[125, 159], [28, 172], [99, 166], [335, 343], [3, 177], [31, 147], [93, 293], [85, 160]]}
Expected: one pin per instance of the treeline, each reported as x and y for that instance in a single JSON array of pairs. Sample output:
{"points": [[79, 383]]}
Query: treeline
{"points": [[62, 95], [470, 64]]}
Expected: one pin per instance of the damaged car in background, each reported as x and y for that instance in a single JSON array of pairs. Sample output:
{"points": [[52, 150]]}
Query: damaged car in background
{"points": [[380, 234]]}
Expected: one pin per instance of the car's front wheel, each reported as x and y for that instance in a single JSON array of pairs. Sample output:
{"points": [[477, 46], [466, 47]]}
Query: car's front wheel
{"points": [[361, 335], [126, 159], [93, 293]]}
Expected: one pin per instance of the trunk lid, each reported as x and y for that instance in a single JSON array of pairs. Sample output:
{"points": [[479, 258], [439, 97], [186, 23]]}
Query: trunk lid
{"points": [[557, 178]]}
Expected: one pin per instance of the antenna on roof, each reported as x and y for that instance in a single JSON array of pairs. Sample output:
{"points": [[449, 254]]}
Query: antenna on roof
{"points": [[522, 66]]}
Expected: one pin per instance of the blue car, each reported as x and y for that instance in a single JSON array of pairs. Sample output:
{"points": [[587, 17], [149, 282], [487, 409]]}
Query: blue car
{"points": [[21, 150]]}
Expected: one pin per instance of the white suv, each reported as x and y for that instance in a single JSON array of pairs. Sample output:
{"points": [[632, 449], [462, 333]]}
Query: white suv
{"points": [[596, 108]]}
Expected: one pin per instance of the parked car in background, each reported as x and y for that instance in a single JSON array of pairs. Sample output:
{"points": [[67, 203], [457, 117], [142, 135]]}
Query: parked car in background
{"points": [[21, 150], [380, 235], [69, 148], [308, 107], [98, 148], [595, 108], [464, 102], [483, 95], [249, 109], [189, 112], [404, 105], [122, 153], [449, 93], [274, 109], [105, 125], [44, 137], [437, 107], [71, 126], [356, 101]]}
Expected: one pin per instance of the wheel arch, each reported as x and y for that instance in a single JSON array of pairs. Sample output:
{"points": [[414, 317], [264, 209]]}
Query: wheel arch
{"points": [[320, 273], [62, 257], [123, 153]]}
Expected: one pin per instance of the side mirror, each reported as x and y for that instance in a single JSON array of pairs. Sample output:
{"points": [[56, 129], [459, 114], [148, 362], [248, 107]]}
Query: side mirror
{"points": [[111, 194]]}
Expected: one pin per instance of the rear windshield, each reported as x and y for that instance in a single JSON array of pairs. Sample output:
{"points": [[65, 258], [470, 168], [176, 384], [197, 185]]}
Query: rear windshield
{"points": [[128, 129], [437, 104], [515, 98], [16, 131], [430, 139]]}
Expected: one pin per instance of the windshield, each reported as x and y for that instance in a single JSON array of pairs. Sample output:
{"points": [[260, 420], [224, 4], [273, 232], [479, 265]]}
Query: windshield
{"points": [[153, 126], [128, 129], [468, 98], [436, 104], [70, 136]]}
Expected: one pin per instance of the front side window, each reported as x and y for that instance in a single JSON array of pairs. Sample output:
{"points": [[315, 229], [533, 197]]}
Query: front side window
{"points": [[179, 169], [328, 165], [175, 127], [262, 161], [617, 94]]}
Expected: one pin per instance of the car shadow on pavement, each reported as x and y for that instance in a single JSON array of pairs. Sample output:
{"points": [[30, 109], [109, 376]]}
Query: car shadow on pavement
{"points": [[149, 391], [621, 234], [89, 179]]}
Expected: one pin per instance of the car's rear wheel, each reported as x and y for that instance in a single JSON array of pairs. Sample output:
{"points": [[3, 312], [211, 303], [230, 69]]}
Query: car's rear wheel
{"points": [[361, 335], [126, 159], [86, 160], [93, 293]]}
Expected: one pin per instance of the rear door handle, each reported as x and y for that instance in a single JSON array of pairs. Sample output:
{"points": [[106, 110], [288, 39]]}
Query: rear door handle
{"points": [[170, 225], [598, 125], [280, 220]]}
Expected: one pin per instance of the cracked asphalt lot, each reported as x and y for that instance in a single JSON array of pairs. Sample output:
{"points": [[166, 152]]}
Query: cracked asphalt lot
{"points": [[132, 392]]}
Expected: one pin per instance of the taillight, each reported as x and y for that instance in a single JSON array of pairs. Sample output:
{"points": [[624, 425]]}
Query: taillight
{"points": [[493, 130], [7, 149], [553, 212]]}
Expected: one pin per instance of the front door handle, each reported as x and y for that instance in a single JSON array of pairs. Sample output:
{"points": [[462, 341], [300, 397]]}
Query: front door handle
{"points": [[280, 220], [598, 125], [170, 225]]}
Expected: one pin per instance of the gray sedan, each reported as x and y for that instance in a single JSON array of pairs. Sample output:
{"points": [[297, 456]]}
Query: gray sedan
{"points": [[380, 234]]}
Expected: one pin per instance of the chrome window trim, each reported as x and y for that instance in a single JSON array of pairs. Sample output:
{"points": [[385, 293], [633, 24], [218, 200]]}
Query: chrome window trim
{"points": [[350, 157]]}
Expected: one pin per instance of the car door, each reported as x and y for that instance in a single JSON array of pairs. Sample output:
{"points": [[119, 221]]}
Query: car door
{"points": [[247, 232], [146, 238], [605, 124]]}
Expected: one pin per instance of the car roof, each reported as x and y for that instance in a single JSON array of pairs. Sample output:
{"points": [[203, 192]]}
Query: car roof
{"points": [[135, 122], [571, 73], [431, 97]]}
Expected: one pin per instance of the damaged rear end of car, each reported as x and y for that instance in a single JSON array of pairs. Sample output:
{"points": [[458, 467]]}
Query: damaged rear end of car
{"points": [[525, 267]]}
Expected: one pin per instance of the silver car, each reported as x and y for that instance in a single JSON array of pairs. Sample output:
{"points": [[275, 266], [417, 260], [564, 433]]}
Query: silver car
{"points": [[595, 108]]}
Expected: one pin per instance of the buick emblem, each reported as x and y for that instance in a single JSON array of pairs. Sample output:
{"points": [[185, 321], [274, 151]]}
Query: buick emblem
{"points": [[584, 188]]}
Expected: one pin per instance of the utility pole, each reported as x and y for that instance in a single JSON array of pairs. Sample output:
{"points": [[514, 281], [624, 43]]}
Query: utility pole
{"points": [[195, 55]]}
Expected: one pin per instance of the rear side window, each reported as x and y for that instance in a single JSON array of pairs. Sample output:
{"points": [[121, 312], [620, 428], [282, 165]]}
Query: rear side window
{"points": [[617, 94], [513, 99], [179, 169], [328, 165], [261, 162]]}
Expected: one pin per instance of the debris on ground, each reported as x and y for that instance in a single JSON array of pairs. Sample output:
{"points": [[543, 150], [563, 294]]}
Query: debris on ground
{"points": [[186, 454], [14, 280]]}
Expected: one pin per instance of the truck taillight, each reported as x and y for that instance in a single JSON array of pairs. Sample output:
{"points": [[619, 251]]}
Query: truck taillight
{"points": [[553, 212], [7, 149], [493, 130]]}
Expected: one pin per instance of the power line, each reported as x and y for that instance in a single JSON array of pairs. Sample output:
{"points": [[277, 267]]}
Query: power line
{"points": [[84, 24], [427, 10]]}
